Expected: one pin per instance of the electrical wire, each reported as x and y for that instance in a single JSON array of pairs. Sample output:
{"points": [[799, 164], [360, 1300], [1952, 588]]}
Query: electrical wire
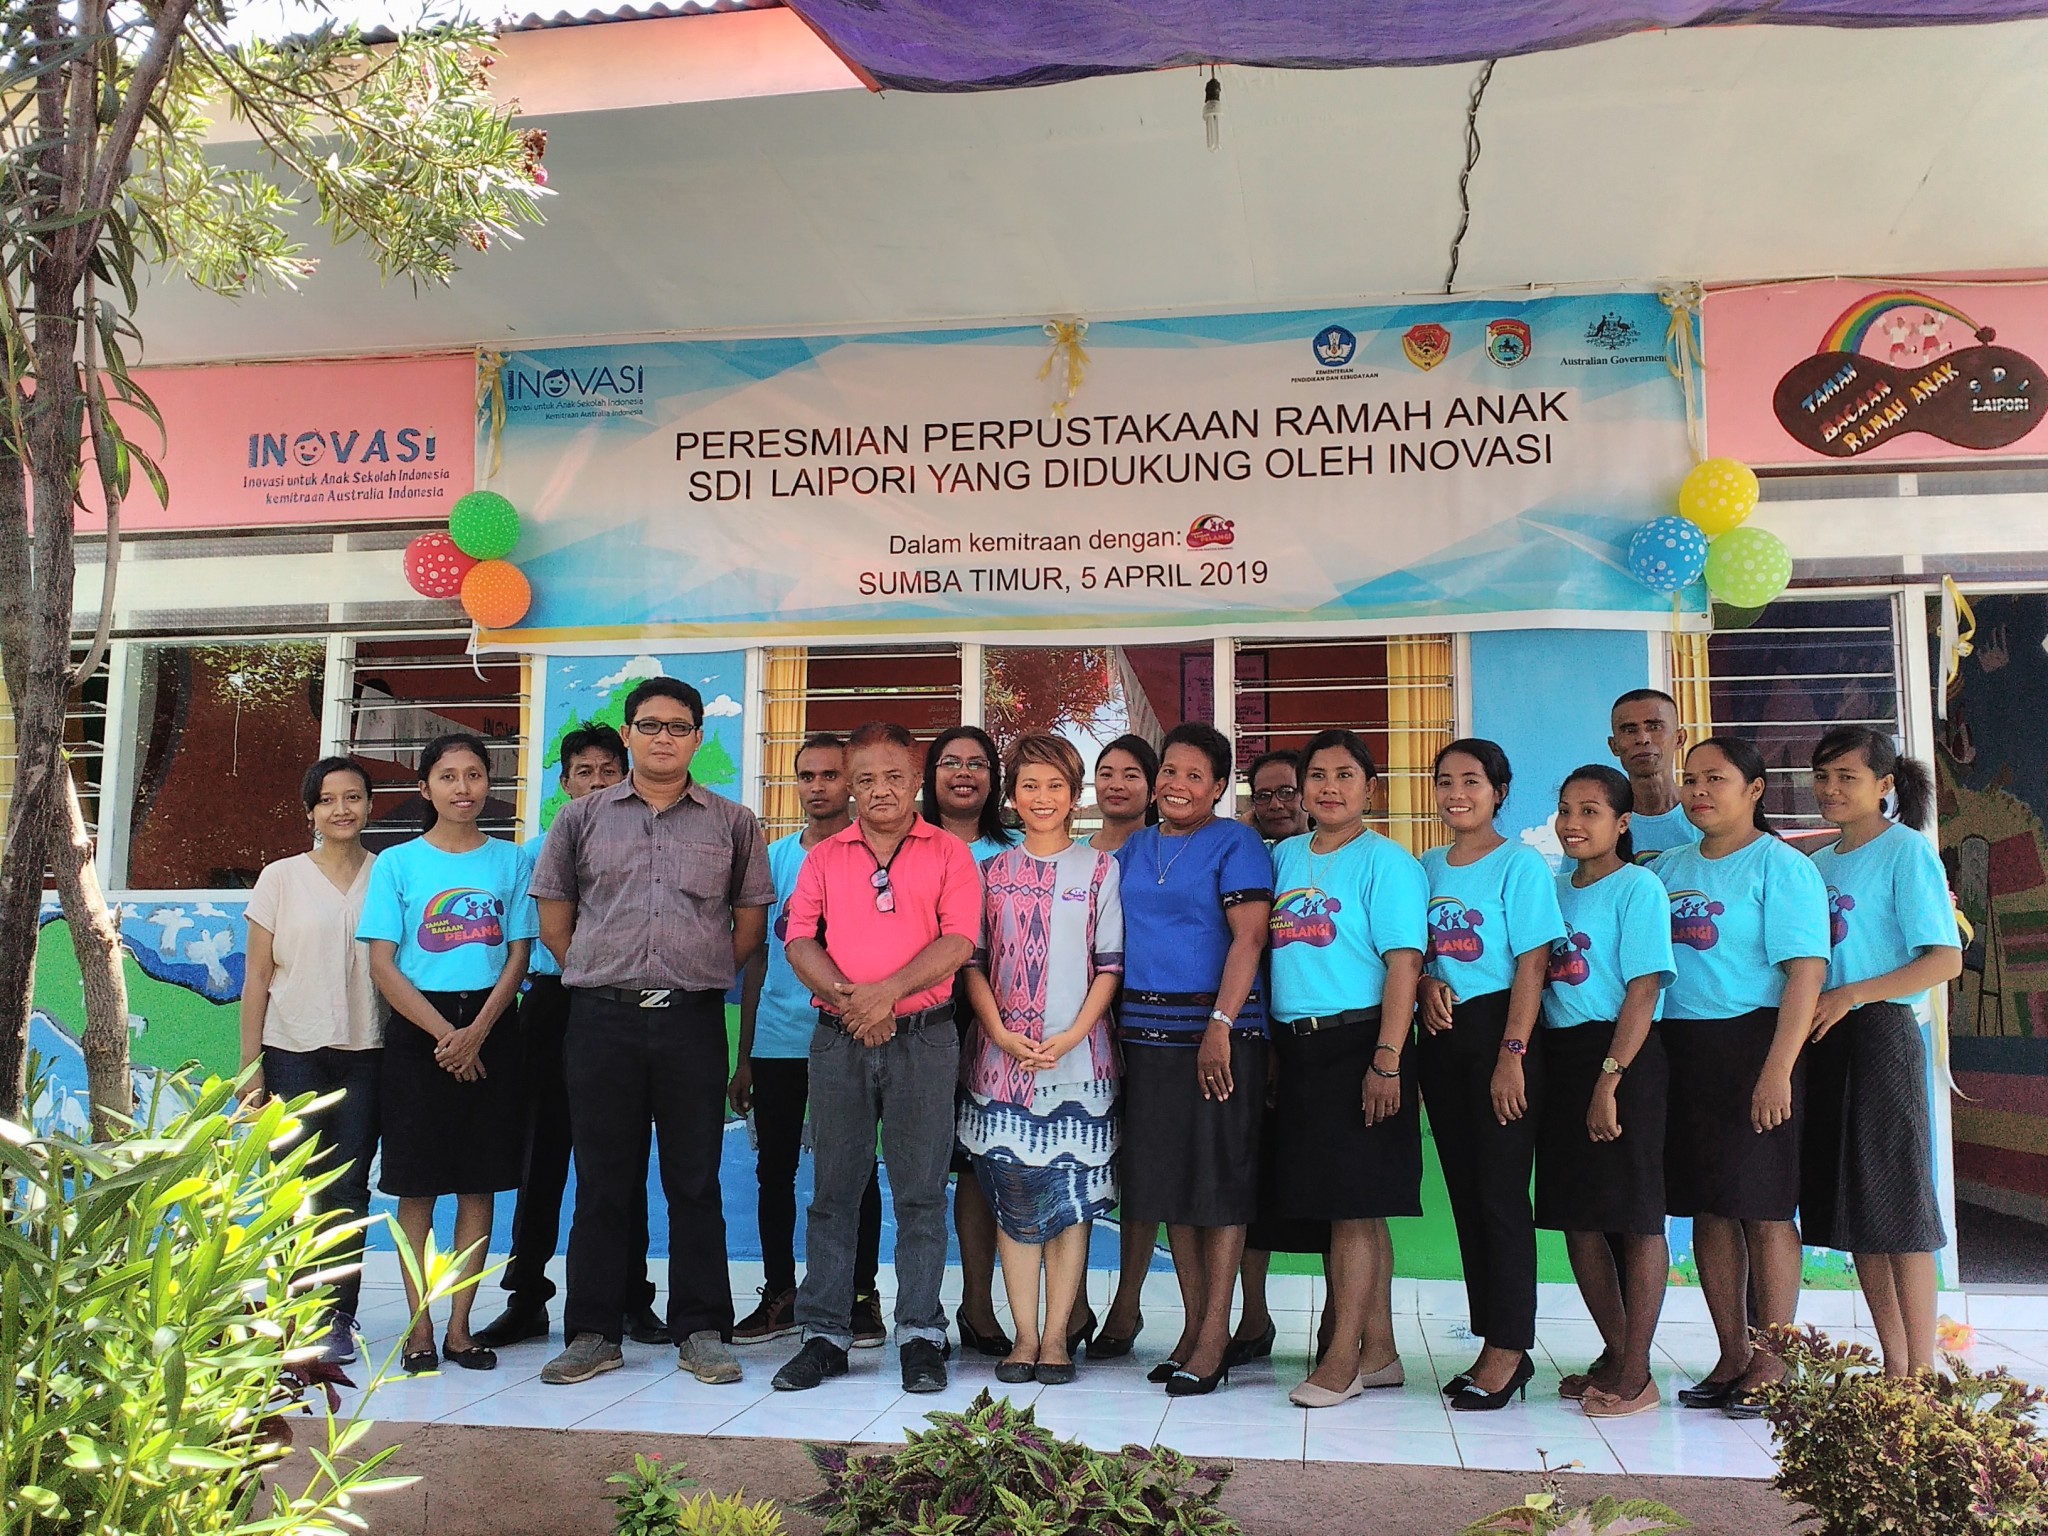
{"points": [[1472, 151]]}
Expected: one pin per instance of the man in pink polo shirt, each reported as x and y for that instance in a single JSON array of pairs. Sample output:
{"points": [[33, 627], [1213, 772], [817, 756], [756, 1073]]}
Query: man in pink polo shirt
{"points": [[883, 914]]}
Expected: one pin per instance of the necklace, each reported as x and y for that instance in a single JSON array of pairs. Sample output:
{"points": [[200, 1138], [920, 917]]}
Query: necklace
{"points": [[1316, 868], [1186, 837]]}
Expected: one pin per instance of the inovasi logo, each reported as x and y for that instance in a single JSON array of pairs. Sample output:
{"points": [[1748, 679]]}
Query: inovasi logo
{"points": [[342, 445]]}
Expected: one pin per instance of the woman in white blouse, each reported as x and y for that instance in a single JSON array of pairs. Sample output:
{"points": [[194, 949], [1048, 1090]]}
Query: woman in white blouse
{"points": [[311, 1018]]}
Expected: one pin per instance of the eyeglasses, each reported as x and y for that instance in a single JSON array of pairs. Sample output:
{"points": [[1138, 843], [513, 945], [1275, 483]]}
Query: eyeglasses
{"points": [[885, 894], [963, 764], [1274, 796], [673, 727]]}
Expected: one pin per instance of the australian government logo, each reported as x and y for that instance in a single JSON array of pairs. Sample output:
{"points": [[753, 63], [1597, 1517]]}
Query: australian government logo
{"points": [[1614, 340]]}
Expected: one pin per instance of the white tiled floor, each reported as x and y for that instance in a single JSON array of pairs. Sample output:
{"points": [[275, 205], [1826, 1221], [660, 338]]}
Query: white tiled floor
{"points": [[1112, 1404]]}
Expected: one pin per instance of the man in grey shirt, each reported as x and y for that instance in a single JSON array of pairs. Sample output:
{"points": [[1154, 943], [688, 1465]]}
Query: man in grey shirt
{"points": [[653, 894]]}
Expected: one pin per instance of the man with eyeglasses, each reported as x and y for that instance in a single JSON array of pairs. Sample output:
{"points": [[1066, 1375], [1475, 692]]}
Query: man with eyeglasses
{"points": [[1277, 812], [883, 915], [653, 893]]}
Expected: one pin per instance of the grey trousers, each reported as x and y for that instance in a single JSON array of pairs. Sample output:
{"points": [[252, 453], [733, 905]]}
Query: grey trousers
{"points": [[906, 1088]]}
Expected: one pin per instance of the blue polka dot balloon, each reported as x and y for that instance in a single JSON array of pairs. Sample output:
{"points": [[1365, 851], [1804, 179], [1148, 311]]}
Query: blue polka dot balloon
{"points": [[1667, 554]]}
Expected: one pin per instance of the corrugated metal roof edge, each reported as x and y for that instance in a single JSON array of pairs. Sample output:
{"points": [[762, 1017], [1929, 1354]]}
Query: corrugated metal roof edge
{"points": [[533, 21]]}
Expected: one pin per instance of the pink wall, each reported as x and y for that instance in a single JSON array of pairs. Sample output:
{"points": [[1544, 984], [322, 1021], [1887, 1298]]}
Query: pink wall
{"points": [[287, 444]]}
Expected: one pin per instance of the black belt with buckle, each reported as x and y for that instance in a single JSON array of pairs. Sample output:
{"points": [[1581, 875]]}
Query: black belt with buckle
{"points": [[942, 1014], [1313, 1026], [640, 997]]}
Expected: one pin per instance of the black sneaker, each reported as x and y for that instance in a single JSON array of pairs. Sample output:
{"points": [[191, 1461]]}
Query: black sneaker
{"points": [[869, 1331], [646, 1327], [924, 1368], [515, 1325], [775, 1318], [818, 1361]]}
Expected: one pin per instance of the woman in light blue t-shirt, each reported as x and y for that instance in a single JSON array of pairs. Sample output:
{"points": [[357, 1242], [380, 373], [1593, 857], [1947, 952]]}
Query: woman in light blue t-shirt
{"points": [[1866, 1169], [450, 924], [1492, 919], [1749, 938]]}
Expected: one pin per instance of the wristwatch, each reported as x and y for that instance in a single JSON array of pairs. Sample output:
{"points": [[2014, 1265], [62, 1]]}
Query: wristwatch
{"points": [[1218, 1016], [1611, 1068], [1515, 1047]]}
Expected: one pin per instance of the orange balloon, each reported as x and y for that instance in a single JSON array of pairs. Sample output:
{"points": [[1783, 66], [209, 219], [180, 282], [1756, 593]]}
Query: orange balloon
{"points": [[495, 594]]}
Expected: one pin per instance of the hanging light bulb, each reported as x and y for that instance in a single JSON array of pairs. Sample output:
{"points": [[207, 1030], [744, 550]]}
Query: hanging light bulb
{"points": [[1212, 111]]}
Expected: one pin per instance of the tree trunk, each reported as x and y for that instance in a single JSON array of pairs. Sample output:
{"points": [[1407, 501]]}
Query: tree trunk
{"points": [[96, 939]]}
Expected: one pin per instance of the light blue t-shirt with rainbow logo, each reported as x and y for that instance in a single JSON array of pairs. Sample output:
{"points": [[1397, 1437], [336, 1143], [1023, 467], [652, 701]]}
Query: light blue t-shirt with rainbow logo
{"points": [[1888, 903], [1616, 929], [450, 914], [1336, 917], [1652, 835], [1483, 914], [1735, 921]]}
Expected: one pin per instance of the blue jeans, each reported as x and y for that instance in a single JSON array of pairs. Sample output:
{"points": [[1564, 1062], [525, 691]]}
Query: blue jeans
{"points": [[905, 1087], [348, 1130]]}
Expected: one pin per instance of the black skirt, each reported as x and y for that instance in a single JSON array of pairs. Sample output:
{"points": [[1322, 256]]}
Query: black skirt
{"points": [[1866, 1169], [444, 1137], [1328, 1164], [1715, 1163], [1187, 1160], [1583, 1185]]}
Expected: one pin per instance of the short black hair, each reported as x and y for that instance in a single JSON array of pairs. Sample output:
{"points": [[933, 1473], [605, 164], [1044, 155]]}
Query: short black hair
{"points": [[1644, 696], [822, 740], [315, 779], [1205, 739], [1293, 760], [665, 688], [1338, 739], [593, 738]]}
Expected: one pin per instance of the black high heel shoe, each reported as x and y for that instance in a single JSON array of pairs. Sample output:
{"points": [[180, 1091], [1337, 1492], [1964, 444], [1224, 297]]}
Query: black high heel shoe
{"points": [[1083, 1336], [1163, 1372], [1185, 1384], [1108, 1347], [1457, 1384], [997, 1344], [1244, 1351], [1474, 1399]]}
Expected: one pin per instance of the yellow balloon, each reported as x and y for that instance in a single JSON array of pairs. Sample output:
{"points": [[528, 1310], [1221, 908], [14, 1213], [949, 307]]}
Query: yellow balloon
{"points": [[1718, 495]]}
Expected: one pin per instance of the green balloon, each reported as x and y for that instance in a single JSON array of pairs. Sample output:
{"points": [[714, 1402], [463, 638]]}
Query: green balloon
{"points": [[484, 525], [1746, 567]]}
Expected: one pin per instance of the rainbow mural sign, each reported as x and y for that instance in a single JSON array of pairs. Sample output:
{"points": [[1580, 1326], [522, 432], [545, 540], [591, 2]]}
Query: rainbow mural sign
{"points": [[1899, 373]]}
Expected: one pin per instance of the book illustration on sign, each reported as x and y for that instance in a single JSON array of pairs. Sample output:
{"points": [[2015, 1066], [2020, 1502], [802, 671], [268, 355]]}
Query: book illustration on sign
{"points": [[1899, 362]]}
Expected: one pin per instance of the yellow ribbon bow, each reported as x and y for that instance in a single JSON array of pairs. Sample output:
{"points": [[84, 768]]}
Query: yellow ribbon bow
{"points": [[490, 402], [1067, 354], [1958, 639]]}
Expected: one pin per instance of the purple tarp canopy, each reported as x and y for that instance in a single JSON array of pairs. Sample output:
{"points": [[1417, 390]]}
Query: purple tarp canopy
{"points": [[980, 45]]}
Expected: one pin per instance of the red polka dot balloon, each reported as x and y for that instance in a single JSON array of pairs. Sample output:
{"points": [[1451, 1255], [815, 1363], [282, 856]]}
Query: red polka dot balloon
{"points": [[434, 567]]}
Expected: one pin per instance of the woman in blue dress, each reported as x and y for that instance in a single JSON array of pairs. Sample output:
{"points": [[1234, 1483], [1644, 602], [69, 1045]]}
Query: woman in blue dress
{"points": [[1600, 1132], [1749, 939], [1866, 1169], [449, 922], [1197, 893], [1492, 919], [1349, 928]]}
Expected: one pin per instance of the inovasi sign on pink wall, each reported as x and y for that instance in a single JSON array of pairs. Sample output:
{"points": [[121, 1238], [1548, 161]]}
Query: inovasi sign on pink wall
{"points": [[290, 444], [1807, 373]]}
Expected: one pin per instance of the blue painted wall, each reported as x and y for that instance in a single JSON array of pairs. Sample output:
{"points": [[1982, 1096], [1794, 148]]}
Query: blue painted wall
{"points": [[1544, 695]]}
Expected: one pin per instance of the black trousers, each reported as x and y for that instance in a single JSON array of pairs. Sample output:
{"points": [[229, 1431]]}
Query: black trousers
{"points": [[782, 1091], [537, 1219], [1486, 1166], [633, 1071]]}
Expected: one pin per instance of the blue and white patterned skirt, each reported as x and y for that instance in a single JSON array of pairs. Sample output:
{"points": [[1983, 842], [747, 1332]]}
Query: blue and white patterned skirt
{"points": [[1047, 1167]]}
